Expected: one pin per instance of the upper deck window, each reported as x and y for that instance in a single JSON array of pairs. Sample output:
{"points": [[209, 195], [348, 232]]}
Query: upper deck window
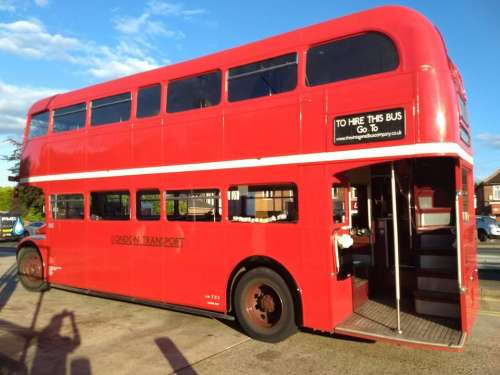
{"points": [[464, 114], [263, 78], [39, 124], [357, 56], [148, 101], [194, 92], [112, 109], [69, 118]]}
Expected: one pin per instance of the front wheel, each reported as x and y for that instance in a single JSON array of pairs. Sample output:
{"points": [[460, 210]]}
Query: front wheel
{"points": [[30, 269], [264, 305]]}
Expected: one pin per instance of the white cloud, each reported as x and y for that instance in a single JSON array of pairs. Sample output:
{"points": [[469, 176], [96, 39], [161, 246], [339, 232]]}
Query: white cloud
{"points": [[173, 9], [42, 3], [134, 52], [491, 140], [104, 62], [7, 6], [29, 38], [14, 104]]}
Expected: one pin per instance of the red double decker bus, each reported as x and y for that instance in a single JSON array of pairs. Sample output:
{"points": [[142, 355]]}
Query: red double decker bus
{"points": [[321, 178]]}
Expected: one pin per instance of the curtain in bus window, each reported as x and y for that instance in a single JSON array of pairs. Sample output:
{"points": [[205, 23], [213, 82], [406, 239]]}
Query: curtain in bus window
{"points": [[352, 57], [263, 78], [194, 92], [263, 203], [69, 118], [39, 124], [111, 109]]}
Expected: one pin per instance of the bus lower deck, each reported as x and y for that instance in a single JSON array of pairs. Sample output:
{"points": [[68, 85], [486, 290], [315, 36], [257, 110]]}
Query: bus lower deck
{"points": [[417, 236]]}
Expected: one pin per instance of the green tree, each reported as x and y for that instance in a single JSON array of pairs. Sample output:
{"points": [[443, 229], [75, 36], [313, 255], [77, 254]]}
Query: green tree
{"points": [[26, 200], [6, 194]]}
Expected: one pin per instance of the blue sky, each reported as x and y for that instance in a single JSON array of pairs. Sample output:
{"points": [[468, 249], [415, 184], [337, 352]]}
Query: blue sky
{"points": [[49, 46]]}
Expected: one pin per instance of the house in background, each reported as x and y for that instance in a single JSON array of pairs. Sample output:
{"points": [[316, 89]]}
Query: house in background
{"points": [[488, 196]]}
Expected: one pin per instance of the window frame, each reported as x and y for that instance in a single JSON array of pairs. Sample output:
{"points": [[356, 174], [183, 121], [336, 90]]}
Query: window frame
{"points": [[55, 115], [138, 91], [48, 112], [217, 206], [138, 201], [394, 42], [92, 108], [185, 78], [495, 189], [54, 208], [347, 209], [265, 187], [110, 192], [247, 74]]}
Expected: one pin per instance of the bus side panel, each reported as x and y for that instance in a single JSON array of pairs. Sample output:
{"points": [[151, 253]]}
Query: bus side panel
{"points": [[193, 138], [67, 153], [108, 147], [316, 270], [109, 262], [35, 158], [67, 238], [147, 143], [372, 94], [267, 127], [470, 298]]}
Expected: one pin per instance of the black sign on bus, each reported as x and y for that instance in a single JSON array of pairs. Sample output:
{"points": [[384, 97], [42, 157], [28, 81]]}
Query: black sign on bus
{"points": [[369, 127]]}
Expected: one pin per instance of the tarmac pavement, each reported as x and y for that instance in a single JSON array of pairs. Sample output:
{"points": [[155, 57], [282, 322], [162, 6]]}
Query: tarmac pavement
{"points": [[60, 332]]}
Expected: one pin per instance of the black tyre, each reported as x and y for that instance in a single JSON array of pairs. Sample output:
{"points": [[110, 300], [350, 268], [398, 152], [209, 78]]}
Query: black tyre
{"points": [[481, 234], [264, 305], [30, 269]]}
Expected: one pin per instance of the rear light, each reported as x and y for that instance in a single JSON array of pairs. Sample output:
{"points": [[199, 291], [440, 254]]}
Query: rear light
{"points": [[42, 229]]}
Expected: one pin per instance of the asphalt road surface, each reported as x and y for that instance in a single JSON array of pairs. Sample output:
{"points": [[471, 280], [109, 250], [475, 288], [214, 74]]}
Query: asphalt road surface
{"points": [[59, 332]]}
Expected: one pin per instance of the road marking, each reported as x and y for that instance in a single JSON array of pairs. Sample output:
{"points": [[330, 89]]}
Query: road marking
{"points": [[489, 313]]}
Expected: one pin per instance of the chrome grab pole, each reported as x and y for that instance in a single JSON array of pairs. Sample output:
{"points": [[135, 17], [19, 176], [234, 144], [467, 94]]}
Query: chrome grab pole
{"points": [[459, 241], [410, 224], [370, 224], [396, 245]]}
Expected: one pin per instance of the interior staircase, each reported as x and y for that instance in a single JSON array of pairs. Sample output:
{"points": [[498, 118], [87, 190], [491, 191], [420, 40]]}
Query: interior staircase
{"points": [[437, 291]]}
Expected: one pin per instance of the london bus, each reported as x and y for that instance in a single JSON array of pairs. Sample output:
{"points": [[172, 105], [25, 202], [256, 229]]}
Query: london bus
{"points": [[321, 178]]}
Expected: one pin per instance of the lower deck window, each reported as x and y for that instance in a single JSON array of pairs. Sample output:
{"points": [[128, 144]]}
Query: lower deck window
{"points": [[263, 203], [339, 194], [66, 206], [110, 205], [148, 205], [193, 205]]}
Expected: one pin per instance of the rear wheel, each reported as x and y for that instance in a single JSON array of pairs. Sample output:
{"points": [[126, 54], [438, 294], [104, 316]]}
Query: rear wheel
{"points": [[30, 269], [264, 305], [481, 234]]}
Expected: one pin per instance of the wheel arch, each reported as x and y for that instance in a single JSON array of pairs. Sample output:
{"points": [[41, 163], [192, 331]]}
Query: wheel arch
{"points": [[252, 262]]}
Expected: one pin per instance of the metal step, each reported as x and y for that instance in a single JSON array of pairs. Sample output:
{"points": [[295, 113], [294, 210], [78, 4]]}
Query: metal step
{"points": [[437, 303]]}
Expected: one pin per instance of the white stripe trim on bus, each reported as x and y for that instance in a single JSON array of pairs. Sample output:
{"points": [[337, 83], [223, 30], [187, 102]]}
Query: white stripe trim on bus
{"points": [[430, 149]]}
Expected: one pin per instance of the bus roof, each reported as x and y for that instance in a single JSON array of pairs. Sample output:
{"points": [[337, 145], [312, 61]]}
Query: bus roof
{"points": [[398, 22]]}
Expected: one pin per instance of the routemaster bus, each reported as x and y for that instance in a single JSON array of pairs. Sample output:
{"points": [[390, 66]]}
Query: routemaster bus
{"points": [[321, 178]]}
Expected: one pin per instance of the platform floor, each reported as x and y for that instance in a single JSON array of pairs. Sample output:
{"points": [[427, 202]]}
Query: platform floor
{"points": [[377, 318]]}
